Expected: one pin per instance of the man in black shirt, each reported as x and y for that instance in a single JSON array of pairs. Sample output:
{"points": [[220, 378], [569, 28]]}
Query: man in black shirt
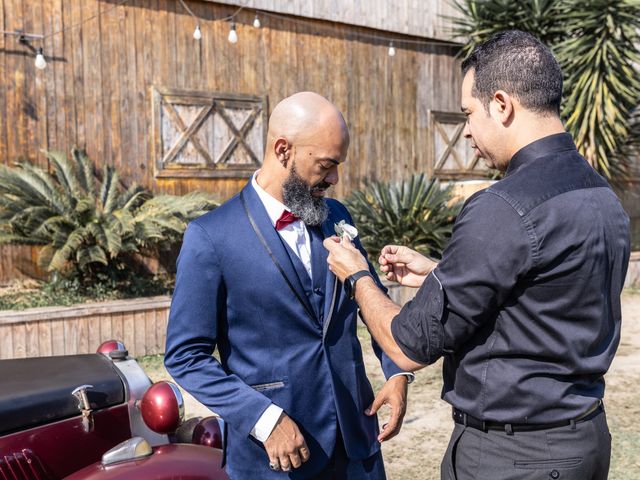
{"points": [[525, 303]]}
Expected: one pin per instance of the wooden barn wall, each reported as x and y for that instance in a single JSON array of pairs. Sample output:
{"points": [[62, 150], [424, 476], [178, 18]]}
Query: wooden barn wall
{"points": [[430, 18], [96, 89]]}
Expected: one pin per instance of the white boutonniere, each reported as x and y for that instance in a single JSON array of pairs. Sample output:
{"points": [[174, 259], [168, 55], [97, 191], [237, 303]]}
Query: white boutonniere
{"points": [[343, 229]]}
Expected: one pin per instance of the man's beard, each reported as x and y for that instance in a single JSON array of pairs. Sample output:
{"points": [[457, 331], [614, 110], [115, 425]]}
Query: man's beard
{"points": [[298, 196]]}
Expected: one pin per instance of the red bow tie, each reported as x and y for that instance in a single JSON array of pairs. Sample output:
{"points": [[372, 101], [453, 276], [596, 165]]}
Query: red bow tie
{"points": [[285, 219]]}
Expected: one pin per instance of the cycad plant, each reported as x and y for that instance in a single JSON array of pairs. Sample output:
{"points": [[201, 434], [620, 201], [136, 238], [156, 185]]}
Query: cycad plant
{"points": [[90, 226], [596, 43], [416, 212]]}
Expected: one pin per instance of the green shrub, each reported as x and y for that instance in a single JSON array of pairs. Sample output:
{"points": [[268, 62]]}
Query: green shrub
{"points": [[91, 227], [415, 212]]}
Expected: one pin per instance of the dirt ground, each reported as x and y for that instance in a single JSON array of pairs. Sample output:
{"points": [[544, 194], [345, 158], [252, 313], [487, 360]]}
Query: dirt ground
{"points": [[416, 452]]}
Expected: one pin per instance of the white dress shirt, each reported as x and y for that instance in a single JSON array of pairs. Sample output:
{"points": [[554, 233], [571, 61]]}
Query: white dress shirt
{"points": [[297, 237]]}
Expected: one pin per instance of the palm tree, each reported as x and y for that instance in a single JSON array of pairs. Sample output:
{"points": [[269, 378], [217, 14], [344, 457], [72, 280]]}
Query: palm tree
{"points": [[90, 226], [596, 43]]}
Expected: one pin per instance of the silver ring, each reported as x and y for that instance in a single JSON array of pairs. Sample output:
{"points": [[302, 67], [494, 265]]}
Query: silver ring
{"points": [[274, 466]]}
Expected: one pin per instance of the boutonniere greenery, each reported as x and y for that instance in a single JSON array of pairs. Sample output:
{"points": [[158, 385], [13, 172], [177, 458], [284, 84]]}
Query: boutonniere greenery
{"points": [[342, 228]]}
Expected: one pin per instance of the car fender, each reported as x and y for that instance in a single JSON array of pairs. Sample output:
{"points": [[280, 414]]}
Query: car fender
{"points": [[184, 461]]}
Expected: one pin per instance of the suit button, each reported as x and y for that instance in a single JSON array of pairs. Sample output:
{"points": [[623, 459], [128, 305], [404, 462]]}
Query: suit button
{"points": [[318, 291], [554, 474]]}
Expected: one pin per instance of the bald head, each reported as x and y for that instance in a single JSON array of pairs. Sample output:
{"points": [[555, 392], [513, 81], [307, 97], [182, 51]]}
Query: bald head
{"points": [[308, 139], [302, 116]]}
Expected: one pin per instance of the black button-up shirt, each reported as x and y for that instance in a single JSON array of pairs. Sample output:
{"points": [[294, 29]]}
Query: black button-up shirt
{"points": [[525, 304]]}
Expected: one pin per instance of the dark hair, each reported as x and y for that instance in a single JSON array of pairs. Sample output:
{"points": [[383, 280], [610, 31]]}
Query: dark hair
{"points": [[521, 65]]}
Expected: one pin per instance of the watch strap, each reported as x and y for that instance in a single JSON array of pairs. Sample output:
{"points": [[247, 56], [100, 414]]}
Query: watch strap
{"points": [[352, 279]]}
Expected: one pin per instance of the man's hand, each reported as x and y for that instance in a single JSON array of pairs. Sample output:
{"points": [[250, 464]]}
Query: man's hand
{"points": [[344, 259], [286, 446], [394, 394], [405, 266]]}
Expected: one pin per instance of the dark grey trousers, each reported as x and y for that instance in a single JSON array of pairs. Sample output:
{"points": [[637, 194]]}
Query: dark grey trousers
{"points": [[578, 452]]}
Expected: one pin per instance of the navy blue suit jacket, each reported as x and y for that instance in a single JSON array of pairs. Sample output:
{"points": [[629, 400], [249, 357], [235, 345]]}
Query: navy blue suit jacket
{"points": [[230, 293]]}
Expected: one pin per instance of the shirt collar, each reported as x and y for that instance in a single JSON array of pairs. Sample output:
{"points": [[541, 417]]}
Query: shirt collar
{"points": [[274, 207], [557, 142]]}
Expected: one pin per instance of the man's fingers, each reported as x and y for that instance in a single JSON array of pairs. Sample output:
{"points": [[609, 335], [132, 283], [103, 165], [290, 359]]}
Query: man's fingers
{"points": [[295, 459], [390, 429], [331, 242], [285, 463], [304, 453], [375, 406]]}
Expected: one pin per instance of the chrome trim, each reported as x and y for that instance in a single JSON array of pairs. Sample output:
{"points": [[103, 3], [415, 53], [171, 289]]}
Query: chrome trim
{"points": [[133, 449], [136, 383], [179, 399]]}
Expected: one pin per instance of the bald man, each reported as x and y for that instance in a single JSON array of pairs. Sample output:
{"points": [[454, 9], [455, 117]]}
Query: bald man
{"points": [[253, 280]]}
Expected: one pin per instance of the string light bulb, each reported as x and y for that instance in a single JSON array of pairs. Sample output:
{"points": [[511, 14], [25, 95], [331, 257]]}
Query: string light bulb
{"points": [[233, 35], [40, 61], [392, 50], [256, 22], [197, 34]]}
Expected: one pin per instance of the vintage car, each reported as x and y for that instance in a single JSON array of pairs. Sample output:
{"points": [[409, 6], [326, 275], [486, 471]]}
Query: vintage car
{"points": [[98, 417]]}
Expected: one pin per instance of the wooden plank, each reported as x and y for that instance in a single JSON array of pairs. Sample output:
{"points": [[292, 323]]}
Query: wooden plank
{"points": [[94, 337], [57, 337], [151, 337], [162, 319], [56, 92], [76, 92], [71, 336], [107, 87], [16, 65], [19, 335], [4, 73], [32, 348], [117, 328], [105, 323], [6, 342], [133, 153], [139, 333], [45, 347], [83, 336], [42, 122], [92, 65], [128, 332]]}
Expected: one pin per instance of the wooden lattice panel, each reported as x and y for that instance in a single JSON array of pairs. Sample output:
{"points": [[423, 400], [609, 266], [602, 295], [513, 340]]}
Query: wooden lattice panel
{"points": [[452, 157], [199, 134]]}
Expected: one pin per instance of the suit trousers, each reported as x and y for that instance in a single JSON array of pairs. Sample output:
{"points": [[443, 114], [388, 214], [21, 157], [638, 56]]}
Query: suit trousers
{"points": [[580, 451]]}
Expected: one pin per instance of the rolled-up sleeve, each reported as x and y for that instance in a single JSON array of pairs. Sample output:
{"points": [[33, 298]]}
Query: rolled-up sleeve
{"points": [[491, 248]]}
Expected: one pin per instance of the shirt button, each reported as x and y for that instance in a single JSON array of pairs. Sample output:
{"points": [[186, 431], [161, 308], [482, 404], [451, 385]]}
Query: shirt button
{"points": [[554, 474]]}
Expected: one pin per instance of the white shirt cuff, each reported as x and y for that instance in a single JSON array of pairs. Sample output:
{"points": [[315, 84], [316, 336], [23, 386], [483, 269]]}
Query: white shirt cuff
{"points": [[410, 376], [265, 424]]}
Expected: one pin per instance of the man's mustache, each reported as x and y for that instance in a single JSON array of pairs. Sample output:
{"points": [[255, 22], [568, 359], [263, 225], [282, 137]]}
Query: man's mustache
{"points": [[320, 186]]}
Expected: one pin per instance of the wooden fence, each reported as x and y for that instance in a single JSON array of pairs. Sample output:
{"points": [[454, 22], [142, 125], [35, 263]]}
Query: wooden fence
{"points": [[140, 324]]}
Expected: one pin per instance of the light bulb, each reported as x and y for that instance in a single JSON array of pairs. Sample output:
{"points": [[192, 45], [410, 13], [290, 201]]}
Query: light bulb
{"points": [[256, 22], [197, 34], [40, 61], [233, 35], [392, 50]]}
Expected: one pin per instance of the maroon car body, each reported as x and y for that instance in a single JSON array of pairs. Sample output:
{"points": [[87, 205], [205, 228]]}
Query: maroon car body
{"points": [[98, 417]]}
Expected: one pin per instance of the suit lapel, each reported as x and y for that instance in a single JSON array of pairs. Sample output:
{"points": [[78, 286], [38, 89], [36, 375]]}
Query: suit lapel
{"points": [[331, 283], [274, 241]]}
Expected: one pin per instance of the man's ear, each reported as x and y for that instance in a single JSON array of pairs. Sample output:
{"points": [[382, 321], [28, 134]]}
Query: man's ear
{"points": [[282, 149], [502, 106]]}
